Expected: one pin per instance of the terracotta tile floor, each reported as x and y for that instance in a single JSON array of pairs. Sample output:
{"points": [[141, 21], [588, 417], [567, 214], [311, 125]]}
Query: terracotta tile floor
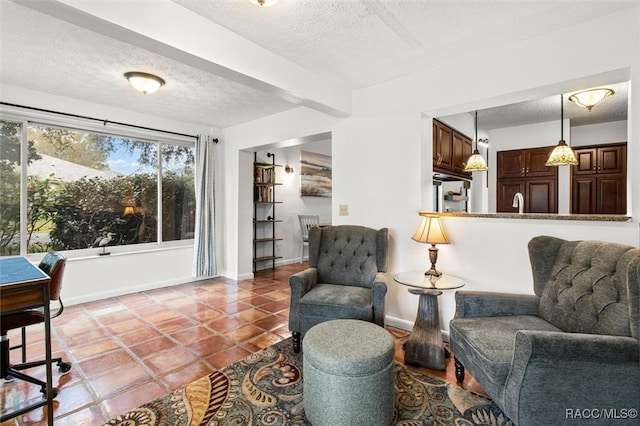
{"points": [[131, 349]]}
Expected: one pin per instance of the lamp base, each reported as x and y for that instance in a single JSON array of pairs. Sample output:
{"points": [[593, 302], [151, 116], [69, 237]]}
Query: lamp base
{"points": [[433, 258], [433, 273]]}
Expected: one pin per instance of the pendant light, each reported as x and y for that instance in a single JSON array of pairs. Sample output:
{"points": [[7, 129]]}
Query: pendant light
{"points": [[562, 154], [476, 162]]}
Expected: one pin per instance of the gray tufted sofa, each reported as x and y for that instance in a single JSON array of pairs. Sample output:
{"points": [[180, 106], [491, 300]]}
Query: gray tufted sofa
{"points": [[572, 348], [346, 278]]}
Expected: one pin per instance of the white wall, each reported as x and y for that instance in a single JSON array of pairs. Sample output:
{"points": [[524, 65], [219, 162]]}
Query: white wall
{"points": [[595, 134], [491, 254]]}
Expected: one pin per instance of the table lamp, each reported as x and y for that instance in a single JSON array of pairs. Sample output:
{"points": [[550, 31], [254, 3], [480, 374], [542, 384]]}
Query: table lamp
{"points": [[431, 232]]}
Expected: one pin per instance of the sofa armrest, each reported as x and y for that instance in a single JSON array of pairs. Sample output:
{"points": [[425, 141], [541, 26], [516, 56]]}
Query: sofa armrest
{"points": [[471, 304], [379, 290], [576, 347], [570, 371], [301, 282]]}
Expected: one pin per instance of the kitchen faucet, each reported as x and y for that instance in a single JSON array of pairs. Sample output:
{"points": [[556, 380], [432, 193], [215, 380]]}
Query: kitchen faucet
{"points": [[518, 201]]}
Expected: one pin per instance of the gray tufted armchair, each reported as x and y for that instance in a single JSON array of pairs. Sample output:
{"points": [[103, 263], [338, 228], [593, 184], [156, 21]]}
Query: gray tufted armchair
{"points": [[570, 349], [346, 278]]}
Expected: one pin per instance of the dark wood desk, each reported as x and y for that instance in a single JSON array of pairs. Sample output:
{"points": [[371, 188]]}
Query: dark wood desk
{"points": [[24, 286]]}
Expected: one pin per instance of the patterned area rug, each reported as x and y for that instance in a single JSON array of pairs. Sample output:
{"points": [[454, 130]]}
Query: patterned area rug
{"points": [[266, 389]]}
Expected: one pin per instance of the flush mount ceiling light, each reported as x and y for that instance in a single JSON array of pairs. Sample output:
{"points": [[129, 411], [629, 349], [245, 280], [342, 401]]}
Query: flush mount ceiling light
{"points": [[144, 82], [562, 154], [265, 3], [476, 162], [592, 97]]}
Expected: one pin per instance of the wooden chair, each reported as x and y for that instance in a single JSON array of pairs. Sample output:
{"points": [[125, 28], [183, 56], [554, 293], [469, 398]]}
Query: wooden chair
{"points": [[52, 264], [306, 222]]}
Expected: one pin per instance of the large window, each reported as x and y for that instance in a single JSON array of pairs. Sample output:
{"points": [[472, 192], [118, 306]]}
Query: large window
{"points": [[82, 187]]}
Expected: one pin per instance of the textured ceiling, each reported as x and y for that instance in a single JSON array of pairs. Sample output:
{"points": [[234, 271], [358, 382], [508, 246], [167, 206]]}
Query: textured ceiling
{"points": [[364, 42], [355, 42], [67, 60]]}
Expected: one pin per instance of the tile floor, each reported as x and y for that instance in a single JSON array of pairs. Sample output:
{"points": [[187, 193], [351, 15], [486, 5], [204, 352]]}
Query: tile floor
{"points": [[131, 349]]}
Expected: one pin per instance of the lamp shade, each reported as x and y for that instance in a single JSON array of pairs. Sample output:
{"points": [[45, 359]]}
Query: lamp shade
{"points": [[144, 82], [476, 163], [592, 97], [562, 155], [430, 231]]}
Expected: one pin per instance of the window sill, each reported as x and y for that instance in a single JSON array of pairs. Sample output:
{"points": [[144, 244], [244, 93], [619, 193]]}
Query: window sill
{"points": [[117, 251]]}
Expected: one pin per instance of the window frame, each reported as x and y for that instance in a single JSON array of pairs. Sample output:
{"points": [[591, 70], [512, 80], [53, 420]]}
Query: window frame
{"points": [[107, 128]]}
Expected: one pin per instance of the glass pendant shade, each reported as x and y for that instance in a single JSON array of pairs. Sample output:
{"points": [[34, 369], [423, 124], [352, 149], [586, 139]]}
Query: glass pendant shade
{"points": [[591, 98], [476, 163], [562, 155], [143, 82]]}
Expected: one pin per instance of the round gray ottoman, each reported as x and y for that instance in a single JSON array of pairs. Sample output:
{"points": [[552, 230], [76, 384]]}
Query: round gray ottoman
{"points": [[348, 374]]}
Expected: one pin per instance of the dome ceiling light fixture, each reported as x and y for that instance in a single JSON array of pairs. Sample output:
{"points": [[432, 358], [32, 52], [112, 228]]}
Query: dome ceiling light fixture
{"points": [[144, 82], [265, 3], [592, 97]]}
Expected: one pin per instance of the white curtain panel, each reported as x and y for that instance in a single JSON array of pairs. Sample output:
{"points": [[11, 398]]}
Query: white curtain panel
{"points": [[204, 256]]}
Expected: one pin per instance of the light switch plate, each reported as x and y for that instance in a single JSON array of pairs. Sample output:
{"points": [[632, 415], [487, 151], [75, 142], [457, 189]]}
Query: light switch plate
{"points": [[343, 210]]}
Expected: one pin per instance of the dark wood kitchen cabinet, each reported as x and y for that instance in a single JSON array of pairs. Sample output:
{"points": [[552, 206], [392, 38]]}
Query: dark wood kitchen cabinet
{"points": [[523, 171], [451, 150], [598, 181]]}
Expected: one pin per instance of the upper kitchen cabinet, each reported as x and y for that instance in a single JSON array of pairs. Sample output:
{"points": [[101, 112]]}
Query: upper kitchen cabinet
{"points": [[451, 150], [601, 159], [598, 181], [520, 163]]}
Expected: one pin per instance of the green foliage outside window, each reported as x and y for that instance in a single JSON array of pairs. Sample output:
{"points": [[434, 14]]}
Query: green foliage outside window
{"points": [[74, 214]]}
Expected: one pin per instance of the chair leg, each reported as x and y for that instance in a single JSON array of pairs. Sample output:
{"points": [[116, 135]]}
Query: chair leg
{"points": [[43, 385], [63, 367], [301, 251], [459, 370], [23, 346], [295, 337]]}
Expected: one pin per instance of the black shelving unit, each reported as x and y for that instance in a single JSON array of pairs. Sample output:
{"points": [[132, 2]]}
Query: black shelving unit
{"points": [[264, 211]]}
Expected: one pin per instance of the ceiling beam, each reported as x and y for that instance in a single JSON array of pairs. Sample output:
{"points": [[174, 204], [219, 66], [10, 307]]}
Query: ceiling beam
{"points": [[168, 29]]}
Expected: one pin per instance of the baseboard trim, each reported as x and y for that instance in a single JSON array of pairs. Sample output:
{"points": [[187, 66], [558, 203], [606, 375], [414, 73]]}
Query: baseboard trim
{"points": [[128, 290]]}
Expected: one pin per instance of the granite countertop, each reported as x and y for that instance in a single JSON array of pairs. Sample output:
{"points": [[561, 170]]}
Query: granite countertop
{"points": [[543, 216]]}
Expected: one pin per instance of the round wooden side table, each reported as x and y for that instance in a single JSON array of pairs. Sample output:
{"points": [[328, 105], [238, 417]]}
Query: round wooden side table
{"points": [[424, 347]]}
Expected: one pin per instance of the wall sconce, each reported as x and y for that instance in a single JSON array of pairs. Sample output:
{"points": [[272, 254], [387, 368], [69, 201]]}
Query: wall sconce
{"points": [[128, 210], [288, 169], [144, 82]]}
